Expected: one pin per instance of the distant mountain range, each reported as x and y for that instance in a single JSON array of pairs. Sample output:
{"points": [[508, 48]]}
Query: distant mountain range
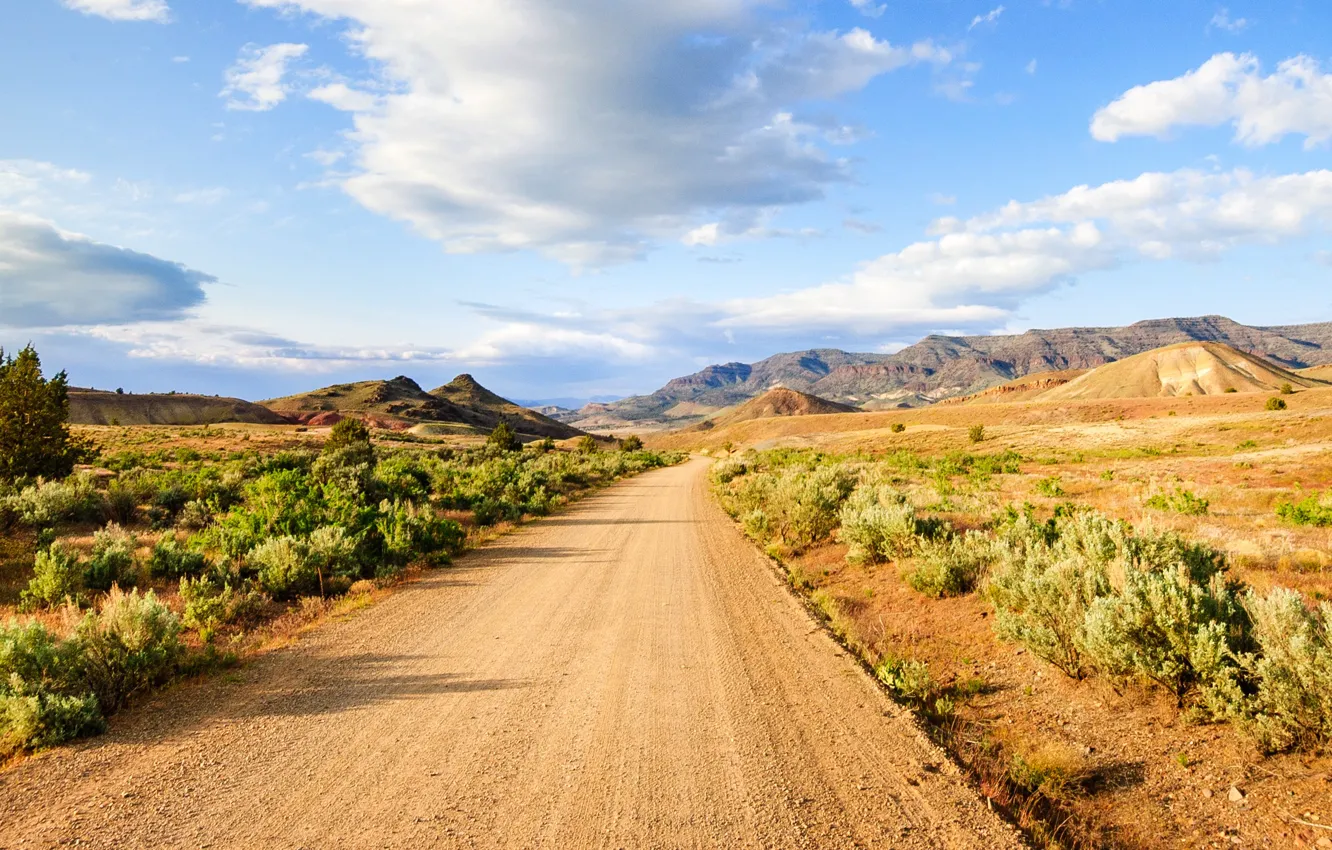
{"points": [[942, 367]]}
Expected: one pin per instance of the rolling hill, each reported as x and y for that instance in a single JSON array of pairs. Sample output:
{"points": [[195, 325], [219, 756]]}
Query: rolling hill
{"points": [[98, 407], [941, 367], [779, 401], [401, 404], [1193, 368]]}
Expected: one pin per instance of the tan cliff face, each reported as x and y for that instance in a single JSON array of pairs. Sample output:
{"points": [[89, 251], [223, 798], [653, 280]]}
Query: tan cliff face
{"points": [[1188, 369]]}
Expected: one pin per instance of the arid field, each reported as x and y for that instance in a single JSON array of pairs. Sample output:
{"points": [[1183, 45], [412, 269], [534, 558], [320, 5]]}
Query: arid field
{"points": [[1096, 761]]}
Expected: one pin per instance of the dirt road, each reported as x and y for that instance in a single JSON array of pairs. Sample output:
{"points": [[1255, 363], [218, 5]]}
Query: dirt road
{"points": [[627, 674]]}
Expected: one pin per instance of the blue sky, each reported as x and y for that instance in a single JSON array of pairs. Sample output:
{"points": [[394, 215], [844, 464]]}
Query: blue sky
{"points": [[584, 198]]}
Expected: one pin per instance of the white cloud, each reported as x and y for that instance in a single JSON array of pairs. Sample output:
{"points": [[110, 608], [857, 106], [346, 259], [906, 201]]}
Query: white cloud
{"points": [[1295, 99], [592, 131], [180, 60], [255, 82], [1222, 21], [869, 8], [977, 271], [26, 184], [49, 277], [1031, 67], [340, 96], [942, 200], [989, 17], [155, 11]]}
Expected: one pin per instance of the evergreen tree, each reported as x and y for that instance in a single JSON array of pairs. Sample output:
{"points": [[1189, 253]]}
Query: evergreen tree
{"points": [[34, 414], [504, 438]]}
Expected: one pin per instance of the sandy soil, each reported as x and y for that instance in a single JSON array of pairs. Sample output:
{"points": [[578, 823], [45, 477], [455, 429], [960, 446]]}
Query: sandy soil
{"points": [[629, 674]]}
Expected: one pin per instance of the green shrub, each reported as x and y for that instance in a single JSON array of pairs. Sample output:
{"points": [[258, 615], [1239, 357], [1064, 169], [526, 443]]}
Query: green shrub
{"points": [[411, 533], [976, 433], [48, 503], [348, 433], [805, 503], [121, 503], [1179, 501], [131, 644], [41, 701], [632, 443], [1292, 670], [210, 603], [1286, 389], [756, 525], [194, 515], [1046, 580], [57, 577], [953, 566], [587, 444], [897, 427], [727, 470], [1052, 487], [1276, 404], [171, 560], [283, 567], [878, 524], [112, 560], [504, 438], [1314, 509], [1166, 626]]}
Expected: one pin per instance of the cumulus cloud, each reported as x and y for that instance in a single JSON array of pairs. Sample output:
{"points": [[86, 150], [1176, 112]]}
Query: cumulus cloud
{"points": [[49, 277], [975, 272], [869, 8], [592, 131], [255, 83], [155, 11], [1295, 99]]}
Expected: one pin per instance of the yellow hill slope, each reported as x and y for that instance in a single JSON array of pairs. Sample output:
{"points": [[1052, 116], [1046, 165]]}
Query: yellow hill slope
{"points": [[1191, 368]]}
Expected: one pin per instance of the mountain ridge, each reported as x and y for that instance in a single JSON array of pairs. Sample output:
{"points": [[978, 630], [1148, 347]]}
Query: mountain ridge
{"points": [[940, 367]]}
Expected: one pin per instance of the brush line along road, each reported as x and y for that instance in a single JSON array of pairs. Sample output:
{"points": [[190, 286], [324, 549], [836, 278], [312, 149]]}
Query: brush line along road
{"points": [[630, 673]]}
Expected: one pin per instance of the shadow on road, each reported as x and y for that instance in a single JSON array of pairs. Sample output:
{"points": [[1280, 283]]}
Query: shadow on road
{"points": [[335, 684]]}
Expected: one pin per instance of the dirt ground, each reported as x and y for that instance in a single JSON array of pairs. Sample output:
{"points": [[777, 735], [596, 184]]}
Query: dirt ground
{"points": [[628, 674]]}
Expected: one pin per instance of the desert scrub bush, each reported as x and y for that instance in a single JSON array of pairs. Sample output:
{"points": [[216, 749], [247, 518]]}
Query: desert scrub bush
{"points": [[1046, 579], [1291, 672], [211, 602], [1179, 501], [120, 504], [976, 433], [194, 515], [1052, 487], [1314, 509], [1167, 624], [57, 578], [1275, 403], [112, 560], [409, 532], [727, 470], [130, 644], [755, 524], [42, 702], [283, 567], [48, 503], [587, 444], [910, 682], [878, 524], [953, 566], [897, 427], [172, 560], [805, 504]]}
